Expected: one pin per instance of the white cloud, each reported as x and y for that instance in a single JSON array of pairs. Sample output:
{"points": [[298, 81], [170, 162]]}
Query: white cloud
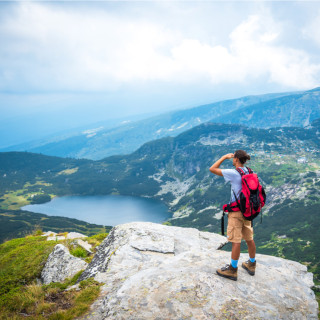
{"points": [[257, 53], [253, 52], [55, 48], [311, 30], [50, 47]]}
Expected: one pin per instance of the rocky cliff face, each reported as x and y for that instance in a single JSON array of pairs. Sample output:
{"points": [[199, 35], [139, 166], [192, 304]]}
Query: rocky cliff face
{"points": [[152, 271]]}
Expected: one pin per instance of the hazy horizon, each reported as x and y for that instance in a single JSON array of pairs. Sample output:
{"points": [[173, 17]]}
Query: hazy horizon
{"points": [[68, 64]]}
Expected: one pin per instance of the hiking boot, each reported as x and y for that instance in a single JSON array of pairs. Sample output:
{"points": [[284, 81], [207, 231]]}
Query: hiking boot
{"points": [[228, 271], [250, 267]]}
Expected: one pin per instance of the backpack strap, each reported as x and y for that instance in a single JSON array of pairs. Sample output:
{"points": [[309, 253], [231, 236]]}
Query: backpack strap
{"points": [[222, 223], [236, 198], [250, 171], [242, 173]]}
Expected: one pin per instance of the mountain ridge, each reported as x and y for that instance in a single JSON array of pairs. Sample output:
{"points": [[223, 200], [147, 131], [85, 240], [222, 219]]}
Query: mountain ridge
{"points": [[279, 112], [124, 139]]}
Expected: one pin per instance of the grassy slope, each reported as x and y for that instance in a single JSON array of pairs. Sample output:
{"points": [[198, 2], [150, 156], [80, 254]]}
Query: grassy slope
{"points": [[21, 262]]}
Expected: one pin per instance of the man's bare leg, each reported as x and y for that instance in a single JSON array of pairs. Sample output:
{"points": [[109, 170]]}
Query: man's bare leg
{"points": [[235, 254], [251, 248]]}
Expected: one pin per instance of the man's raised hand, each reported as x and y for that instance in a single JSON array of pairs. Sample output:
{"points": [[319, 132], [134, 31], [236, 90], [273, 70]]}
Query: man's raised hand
{"points": [[229, 155]]}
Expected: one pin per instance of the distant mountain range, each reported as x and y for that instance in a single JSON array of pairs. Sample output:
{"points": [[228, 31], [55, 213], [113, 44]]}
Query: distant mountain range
{"points": [[269, 110], [293, 110]]}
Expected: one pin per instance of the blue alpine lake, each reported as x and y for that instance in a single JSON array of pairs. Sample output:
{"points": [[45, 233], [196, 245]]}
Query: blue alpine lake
{"points": [[108, 210]]}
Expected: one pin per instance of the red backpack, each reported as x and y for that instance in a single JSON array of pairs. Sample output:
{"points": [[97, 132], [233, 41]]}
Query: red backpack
{"points": [[252, 198]]}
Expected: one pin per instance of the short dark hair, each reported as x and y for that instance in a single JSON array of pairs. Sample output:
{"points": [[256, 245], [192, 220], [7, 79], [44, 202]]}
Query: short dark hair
{"points": [[242, 156]]}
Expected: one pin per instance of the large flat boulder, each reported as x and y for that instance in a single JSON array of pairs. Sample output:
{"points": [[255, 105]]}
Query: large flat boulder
{"points": [[61, 265], [152, 271]]}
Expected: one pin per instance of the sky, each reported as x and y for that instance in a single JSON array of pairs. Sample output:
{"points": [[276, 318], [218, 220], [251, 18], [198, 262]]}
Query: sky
{"points": [[65, 64]]}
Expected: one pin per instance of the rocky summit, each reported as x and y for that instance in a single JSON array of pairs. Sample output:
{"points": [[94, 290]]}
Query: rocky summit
{"points": [[153, 271]]}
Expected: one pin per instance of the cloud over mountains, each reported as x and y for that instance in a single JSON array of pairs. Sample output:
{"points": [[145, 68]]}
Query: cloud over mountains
{"points": [[58, 47]]}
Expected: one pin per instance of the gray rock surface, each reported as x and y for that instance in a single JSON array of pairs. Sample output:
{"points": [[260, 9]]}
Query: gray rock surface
{"points": [[75, 235], [48, 233], [56, 238], [71, 235], [61, 265], [152, 271], [85, 245]]}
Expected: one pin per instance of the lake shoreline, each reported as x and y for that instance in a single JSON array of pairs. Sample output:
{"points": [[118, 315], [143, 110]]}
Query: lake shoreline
{"points": [[108, 210]]}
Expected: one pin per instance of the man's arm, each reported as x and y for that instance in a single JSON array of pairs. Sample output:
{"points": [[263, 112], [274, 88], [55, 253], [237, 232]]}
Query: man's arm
{"points": [[215, 167]]}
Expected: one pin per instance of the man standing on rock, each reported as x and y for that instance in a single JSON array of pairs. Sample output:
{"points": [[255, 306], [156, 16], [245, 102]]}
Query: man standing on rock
{"points": [[238, 228]]}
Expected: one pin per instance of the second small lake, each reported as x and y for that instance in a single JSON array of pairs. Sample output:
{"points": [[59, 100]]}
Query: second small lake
{"points": [[106, 210]]}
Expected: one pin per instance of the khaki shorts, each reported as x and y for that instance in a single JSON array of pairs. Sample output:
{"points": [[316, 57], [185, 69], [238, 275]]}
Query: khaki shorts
{"points": [[238, 227]]}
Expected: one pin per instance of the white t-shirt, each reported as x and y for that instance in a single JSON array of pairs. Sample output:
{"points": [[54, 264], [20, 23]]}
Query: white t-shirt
{"points": [[234, 177]]}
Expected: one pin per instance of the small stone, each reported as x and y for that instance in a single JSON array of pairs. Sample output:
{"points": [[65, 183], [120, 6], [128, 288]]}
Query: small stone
{"points": [[84, 244], [48, 234], [74, 287], [75, 235], [56, 238]]}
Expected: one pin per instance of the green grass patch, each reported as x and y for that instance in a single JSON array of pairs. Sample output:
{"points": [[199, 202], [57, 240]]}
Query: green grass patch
{"points": [[68, 171], [38, 183], [317, 293], [79, 252], [51, 301], [96, 239], [14, 200], [21, 263]]}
